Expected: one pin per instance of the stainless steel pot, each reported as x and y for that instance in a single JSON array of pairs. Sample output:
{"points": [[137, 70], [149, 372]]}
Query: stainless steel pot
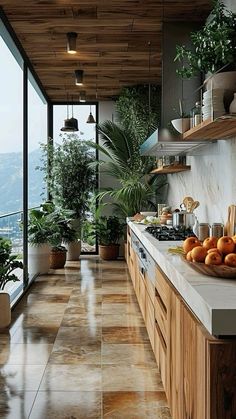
{"points": [[184, 218]]}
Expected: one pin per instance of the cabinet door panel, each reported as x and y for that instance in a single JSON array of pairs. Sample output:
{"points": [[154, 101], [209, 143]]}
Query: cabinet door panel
{"points": [[160, 351], [150, 320], [142, 296]]}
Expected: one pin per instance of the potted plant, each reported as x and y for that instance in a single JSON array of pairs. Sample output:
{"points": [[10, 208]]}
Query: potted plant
{"points": [[213, 46], [40, 231], [181, 124], [8, 264], [70, 239], [109, 231], [70, 179], [134, 188]]}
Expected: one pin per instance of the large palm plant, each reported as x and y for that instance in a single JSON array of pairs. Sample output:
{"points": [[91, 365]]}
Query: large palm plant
{"points": [[120, 159]]}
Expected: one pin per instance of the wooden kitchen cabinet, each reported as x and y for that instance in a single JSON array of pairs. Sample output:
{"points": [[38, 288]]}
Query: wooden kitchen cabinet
{"points": [[197, 369]]}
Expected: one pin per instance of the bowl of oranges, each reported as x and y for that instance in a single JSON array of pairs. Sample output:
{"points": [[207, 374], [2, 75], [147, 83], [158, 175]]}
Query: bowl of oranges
{"points": [[213, 257]]}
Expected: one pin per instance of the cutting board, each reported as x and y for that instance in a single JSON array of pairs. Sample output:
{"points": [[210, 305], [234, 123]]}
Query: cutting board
{"points": [[231, 221]]}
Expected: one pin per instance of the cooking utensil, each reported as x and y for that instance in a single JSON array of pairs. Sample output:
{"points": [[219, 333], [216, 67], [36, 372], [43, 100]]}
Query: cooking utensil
{"points": [[194, 205], [183, 218], [187, 201], [231, 221]]}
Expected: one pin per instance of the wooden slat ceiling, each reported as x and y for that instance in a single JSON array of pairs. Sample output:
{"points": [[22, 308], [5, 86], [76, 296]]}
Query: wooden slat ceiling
{"points": [[112, 41]]}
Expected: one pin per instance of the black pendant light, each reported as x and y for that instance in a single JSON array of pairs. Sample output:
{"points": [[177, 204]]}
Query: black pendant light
{"points": [[79, 75], [82, 96], [90, 119], [74, 121], [70, 124], [71, 42]]}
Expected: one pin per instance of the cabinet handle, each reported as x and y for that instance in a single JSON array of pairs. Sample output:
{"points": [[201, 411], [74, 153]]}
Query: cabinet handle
{"points": [[161, 303], [161, 337]]}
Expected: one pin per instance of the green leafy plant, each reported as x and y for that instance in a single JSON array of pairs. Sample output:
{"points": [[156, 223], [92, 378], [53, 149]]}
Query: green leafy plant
{"points": [[40, 228], [134, 113], [69, 176], [108, 230], [137, 189], [213, 47], [8, 263]]}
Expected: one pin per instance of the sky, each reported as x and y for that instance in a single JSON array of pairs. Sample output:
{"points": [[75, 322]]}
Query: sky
{"points": [[11, 110]]}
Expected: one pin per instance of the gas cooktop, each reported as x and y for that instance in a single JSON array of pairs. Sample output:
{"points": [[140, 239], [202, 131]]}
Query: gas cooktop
{"points": [[164, 233]]}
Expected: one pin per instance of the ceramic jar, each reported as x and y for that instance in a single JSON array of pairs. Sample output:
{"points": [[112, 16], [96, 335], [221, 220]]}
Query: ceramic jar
{"points": [[232, 107]]}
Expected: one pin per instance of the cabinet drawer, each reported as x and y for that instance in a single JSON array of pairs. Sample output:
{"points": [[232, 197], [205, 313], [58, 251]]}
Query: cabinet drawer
{"points": [[162, 286], [150, 289], [160, 314], [150, 320], [142, 296], [160, 351]]}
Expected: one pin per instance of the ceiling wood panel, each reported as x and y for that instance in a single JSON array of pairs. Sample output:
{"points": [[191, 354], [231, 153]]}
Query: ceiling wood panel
{"points": [[112, 43]]}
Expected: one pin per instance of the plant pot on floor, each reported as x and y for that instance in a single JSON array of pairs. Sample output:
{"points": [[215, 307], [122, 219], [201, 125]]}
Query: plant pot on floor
{"points": [[57, 258], [39, 259], [73, 250], [109, 252], [5, 310]]}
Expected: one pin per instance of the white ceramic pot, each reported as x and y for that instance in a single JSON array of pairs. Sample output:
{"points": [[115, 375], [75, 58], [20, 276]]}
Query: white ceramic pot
{"points": [[181, 125], [226, 81], [73, 250], [5, 310], [39, 259], [232, 107]]}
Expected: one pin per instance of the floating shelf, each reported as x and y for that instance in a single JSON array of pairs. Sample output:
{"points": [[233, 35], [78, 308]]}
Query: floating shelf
{"points": [[171, 168], [219, 129]]}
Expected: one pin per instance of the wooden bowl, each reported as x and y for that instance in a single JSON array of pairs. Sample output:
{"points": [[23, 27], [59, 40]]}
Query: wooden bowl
{"points": [[220, 271]]}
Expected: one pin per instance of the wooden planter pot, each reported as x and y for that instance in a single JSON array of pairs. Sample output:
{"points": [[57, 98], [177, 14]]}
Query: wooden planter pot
{"points": [[110, 252], [5, 310], [57, 259]]}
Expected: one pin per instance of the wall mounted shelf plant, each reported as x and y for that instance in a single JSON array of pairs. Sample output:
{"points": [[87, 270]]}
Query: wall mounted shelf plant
{"points": [[171, 168], [218, 129]]}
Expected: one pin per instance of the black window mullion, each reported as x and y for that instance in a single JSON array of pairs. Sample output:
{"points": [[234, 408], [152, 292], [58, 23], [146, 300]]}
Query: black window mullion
{"points": [[25, 173]]}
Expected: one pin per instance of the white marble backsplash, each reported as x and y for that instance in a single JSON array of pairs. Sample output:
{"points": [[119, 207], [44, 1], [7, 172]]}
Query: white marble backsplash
{"points": [[211, 181]]}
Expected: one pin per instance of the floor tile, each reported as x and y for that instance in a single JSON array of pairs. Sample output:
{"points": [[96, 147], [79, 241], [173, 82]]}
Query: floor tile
{"points": [[122, 320], [120, 308], [25, 354], [118, 298], [20, 377], [67, 405], [16, 404], [35, 334], [128, 354], [132, 378], [72, 378], [67, 353], [88, 320], [124, 335], [135, 405], [80, 335]]}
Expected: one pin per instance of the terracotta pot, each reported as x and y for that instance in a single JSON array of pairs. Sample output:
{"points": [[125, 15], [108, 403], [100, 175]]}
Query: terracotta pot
{"points": [[39, 259], [5, 310], [109, 252], [57, 259], [73, 250]]}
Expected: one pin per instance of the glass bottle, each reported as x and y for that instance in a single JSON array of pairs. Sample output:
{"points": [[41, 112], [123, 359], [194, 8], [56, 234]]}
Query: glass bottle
{"points": [[197, 114]]}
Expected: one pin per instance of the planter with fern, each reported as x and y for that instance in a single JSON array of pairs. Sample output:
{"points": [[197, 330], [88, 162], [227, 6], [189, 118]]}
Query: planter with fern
{"points": [[8, 266], [109, 230]]}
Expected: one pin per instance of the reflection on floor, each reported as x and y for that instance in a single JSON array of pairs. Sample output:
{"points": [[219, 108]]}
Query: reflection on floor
{"points": [[78, 348]]}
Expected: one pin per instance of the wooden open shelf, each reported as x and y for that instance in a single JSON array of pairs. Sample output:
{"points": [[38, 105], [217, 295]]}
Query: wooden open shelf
{"points": [[219, 129], [172, 168]]}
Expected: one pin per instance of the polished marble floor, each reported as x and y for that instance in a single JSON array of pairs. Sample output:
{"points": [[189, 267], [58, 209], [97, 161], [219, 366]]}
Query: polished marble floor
{"points": [[78, 348]]}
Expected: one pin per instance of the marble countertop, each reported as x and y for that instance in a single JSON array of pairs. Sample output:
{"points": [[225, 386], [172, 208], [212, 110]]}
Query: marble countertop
{"points": [[213, 300]]}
